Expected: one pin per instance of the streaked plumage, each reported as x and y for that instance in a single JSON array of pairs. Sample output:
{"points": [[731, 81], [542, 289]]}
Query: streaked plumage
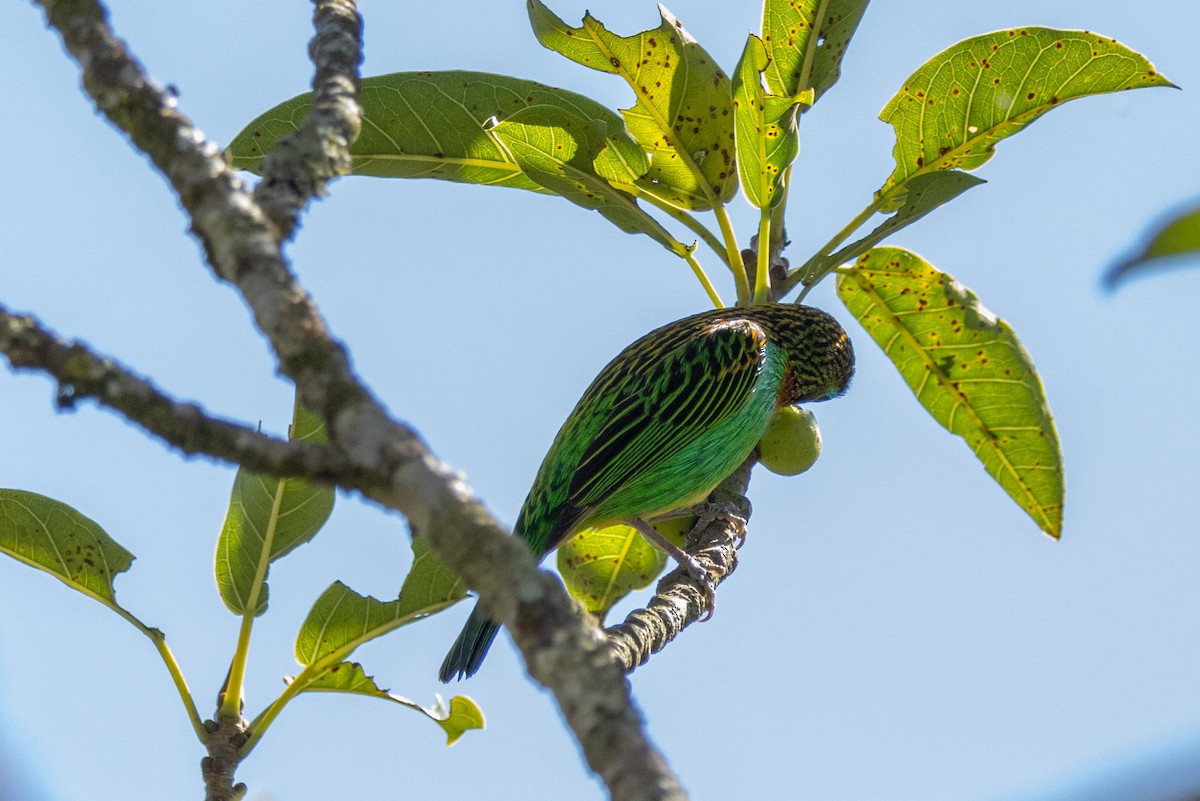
{"points": [[665, 422]]}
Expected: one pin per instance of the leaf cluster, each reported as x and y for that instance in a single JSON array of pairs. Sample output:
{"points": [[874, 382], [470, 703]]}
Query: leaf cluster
{"points": [[693, 136], [267, 519]]}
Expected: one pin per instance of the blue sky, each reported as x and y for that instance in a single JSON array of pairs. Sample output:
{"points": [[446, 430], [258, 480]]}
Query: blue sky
{"points": [[897, 627]]}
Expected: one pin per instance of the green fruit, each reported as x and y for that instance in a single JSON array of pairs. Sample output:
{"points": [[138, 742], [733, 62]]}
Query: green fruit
{"points": [[791, 443]]}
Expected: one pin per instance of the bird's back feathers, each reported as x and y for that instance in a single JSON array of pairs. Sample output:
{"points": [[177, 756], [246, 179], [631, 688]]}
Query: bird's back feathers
{"points": [[665, 421]]}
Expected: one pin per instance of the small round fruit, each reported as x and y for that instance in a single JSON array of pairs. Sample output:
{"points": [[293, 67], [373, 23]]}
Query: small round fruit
{"points": [[791, 443]]}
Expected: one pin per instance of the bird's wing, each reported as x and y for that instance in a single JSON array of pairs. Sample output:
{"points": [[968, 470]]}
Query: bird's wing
{"points": [[666, 406]]}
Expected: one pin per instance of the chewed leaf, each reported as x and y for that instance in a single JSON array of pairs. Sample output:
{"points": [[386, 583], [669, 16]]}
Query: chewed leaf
{"points": [[683, 116], [350, 677], [767, 140], [953, 110], [602, 566], [1174, 240], [51, 536], [787, 32], [429, 582], [342, 620], [434, 125], [966, 368]]}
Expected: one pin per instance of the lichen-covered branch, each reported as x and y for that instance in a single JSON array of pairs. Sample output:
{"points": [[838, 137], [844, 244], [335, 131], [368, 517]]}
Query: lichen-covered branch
{"points": [[80, 374], [677, 601], [299, 167], [242, 243]]}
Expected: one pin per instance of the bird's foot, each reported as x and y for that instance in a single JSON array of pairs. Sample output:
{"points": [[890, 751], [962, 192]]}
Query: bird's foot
{"points": [[689, 563], [706, 513], [711, 512]]}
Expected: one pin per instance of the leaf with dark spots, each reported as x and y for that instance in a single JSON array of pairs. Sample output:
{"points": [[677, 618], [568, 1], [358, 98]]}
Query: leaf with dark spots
{"points": [[954, 109], [676, 83], [52, 536], [967, 368]]}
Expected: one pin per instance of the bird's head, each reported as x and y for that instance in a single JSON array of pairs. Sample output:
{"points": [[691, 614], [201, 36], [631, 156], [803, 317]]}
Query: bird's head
{"points": [[820, 358]]}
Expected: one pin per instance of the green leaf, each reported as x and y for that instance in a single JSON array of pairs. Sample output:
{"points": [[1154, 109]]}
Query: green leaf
{"points": [[953, 110], [1178, 237], [349, 677], [787, 32], [561, 152], [51, 536], [767, 140], [436, 125], [602, 566], [342, 620], [684, 113], [429, 582], [268, 518], [966, 368], [919, 196]]}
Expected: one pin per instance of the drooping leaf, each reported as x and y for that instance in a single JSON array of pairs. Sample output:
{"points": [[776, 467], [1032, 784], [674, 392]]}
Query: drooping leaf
{"points": [[349, 677], [268, 518], [602, 566], [436, 125], [787, 31], [561, 153], [920, 195], [341, 620], [966, 368], [1172, 241], [767, 140], [683, 115], [953, 110], [52, 536]]}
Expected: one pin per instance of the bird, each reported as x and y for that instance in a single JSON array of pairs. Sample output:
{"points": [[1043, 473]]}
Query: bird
{"points": [[668, 419]]}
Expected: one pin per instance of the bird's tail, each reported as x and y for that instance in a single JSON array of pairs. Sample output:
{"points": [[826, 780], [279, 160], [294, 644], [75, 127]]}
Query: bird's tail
{"points": [[468, 651]]}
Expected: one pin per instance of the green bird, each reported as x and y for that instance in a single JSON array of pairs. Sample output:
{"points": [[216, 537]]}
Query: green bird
{"points": [[666, 421]]}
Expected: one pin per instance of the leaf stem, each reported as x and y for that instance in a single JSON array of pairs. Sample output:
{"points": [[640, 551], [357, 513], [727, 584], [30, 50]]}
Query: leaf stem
{"points": [[168, 658], [702, 276], [689, 221], [733, 253], [264, 719], [841, 236], [779, 210], [762, 271], [684, 252], [231, 706]]}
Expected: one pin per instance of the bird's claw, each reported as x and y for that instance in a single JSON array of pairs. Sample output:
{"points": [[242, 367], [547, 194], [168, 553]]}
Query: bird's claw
{"points": [[711, 512], [686, 561], [698, 574]]}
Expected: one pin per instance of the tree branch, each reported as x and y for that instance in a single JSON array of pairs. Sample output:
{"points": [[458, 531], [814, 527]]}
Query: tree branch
{"points": [[242, 243], [678, 602], [299, 167], [81, 373]]}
